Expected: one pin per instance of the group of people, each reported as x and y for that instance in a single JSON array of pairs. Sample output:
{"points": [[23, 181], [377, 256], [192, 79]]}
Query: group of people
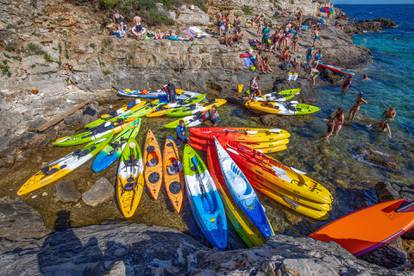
{"points": [[228, 27], [121, 26], [336, 120]]}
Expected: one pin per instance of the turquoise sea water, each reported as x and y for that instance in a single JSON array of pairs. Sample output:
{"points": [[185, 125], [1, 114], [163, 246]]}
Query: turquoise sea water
{"points": [[392, 70]]}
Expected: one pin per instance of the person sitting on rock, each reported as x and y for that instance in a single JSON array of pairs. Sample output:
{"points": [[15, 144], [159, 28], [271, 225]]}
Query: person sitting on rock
{"points": [[181, 130], [120, 23], [213, 116], [237, 35], [265, 65], [138, 30]]}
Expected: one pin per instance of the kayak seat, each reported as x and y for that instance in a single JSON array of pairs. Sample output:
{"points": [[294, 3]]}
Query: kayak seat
{"points": [[112, 113], [169, 144], [154, 177], [152, 162], [174, 187], [130, 185], [150, 149], [47, 171]]}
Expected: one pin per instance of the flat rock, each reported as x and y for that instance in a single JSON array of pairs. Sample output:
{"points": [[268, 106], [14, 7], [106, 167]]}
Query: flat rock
{"points": [[67, 192], [192, 15], [99, 193]]}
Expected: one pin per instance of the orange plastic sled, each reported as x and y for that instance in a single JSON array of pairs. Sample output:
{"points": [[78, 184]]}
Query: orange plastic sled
{"points": [[370, 228]]}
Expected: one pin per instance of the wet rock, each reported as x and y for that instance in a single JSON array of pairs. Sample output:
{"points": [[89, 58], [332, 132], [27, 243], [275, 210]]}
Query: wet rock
{"points": [[386, 191], [86, 119], [373, 25], [390, 256], [118, 269], [67, 192], [99, 193]]}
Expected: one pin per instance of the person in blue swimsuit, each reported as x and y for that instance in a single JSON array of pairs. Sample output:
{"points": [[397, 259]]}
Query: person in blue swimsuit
{"points": [[181, 130]]}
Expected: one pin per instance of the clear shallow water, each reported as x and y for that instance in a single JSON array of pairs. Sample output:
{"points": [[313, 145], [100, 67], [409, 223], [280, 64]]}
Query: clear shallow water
{"points": [[392, 70]]}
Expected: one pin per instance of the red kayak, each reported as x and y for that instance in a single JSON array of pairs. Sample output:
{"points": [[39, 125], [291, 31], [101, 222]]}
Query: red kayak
{"points": [[370, 228], [336, 69]]}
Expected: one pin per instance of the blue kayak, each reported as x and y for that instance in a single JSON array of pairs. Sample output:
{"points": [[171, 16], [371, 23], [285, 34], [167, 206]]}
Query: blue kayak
{"points": [[112, 151], [205, 201], [242, 192], [156, 94]]}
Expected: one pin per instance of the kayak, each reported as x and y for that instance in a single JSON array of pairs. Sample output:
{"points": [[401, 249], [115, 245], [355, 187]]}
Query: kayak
{"points": [[63, 166], [130, 177], [335, 69], [129, 115], [189, 121], [281, 96], [279, 108], [291, 204], [127, 108], [255, 178], [113, 150], [240, 134], [152, 165], [192, 109], [135, 104], [368, 229], [204, 199], [286, 178], [242, 192], [91, 135], [173, 176], [257, 146], [163, 109], [119, 113], [144, 94], [244, 228]]}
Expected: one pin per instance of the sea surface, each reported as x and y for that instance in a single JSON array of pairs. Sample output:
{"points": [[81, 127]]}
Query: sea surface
{"points": [[392, 70]]}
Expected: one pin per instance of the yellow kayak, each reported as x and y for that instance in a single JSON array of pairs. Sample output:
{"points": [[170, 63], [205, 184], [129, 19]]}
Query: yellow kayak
{"points": [[130, 177], [63, 166], [282, 108]]}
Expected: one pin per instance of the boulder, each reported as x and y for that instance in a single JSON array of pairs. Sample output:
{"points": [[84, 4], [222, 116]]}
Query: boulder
{"points": [[386, 191], [18, 224], [99, 193], [390, 256], [67, 192], [192, 15]]}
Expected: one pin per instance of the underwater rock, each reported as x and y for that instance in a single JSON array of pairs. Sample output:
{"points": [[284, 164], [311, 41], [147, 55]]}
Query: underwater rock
{"points": [[377, 158], [386, 191], [67, 192], [99, 193], [270, 120]]}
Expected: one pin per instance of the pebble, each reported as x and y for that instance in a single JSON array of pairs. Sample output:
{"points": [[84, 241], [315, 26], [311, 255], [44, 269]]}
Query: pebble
{"points": [[33, 197], [44, 194]]}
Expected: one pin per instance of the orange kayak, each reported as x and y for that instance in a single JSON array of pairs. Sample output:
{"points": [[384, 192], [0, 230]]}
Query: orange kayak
{"points": [[173, 175], [152, 165], [370, 228]]}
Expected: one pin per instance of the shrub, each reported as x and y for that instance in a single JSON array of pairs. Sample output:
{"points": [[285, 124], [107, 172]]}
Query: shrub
{"points": [[35, 50]]}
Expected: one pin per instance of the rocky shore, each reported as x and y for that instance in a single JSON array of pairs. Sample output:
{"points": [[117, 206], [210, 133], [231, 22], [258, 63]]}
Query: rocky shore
{"points": [[119, 248], [54, 54]]}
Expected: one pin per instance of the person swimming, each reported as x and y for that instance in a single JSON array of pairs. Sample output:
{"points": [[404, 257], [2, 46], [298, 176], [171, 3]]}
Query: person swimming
{"points": [[365, 77], [357, 106]]}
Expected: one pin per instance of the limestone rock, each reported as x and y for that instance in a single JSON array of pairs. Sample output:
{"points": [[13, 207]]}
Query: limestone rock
{"points": [[67, 192], [18, 222], [99, 193], [192, 15], [134, 249]]}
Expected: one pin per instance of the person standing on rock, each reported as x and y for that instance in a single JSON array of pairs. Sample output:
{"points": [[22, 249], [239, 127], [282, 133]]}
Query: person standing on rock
{"points": [[388, 115], [171, 92], [357, 106], [347, 84], [316, 36], [330, 123], [339, 121]]}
